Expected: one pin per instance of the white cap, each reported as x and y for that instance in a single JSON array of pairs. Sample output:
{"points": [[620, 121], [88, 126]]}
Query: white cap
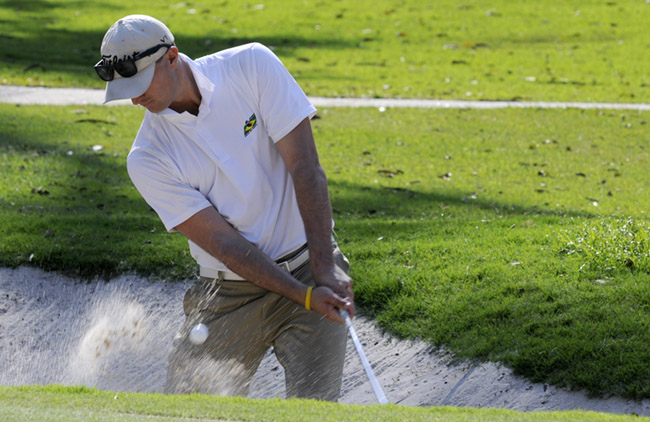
{"points": [[127, 37]]}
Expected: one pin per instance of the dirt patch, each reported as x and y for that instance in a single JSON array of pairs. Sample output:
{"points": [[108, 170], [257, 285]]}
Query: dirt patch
{"points": [[116, 335]]}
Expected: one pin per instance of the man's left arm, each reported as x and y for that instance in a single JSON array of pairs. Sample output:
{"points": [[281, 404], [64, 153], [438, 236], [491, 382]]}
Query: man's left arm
{"points": [[298, 150]]}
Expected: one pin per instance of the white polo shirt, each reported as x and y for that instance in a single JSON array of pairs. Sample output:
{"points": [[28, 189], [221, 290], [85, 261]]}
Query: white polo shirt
{"points": [[226, 156]]}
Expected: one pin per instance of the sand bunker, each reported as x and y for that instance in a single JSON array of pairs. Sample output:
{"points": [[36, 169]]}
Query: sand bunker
{"points": [[116, 335]]}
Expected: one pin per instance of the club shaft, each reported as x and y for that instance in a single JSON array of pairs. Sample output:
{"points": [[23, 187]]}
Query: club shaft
{"points": [[381, 397]]}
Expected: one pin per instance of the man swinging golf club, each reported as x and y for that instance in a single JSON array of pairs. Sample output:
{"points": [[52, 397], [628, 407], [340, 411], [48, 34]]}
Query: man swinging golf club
{"points": [[225, 155]]}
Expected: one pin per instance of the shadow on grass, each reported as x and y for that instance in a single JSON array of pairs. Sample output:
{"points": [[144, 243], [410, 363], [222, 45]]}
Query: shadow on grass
{"points": [[31, 47], [32, 5], [359, 200], [74, 210]]}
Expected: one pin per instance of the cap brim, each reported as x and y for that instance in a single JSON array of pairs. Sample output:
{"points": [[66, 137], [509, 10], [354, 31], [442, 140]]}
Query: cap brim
{"points": [[127, 88]]}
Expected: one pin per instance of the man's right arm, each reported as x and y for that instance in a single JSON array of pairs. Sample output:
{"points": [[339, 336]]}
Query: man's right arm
{"points": [[209, 230]]}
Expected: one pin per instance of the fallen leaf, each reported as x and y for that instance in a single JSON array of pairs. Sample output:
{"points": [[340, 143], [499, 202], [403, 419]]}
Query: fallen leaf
{"points": [[35, 66], [401, 190], [40, 191], [390, 173], [104, 122]]}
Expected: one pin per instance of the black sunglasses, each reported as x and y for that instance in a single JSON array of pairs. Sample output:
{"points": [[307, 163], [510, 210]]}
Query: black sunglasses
{"points": [[126, 68]]}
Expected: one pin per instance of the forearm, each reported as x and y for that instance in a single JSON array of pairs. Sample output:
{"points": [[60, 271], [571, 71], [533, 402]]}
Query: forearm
{"points": [[251, 263], [211, 232], [315, 209]]}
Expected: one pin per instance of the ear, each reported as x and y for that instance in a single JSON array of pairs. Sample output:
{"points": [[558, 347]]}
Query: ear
{"points": [[172, 56]]}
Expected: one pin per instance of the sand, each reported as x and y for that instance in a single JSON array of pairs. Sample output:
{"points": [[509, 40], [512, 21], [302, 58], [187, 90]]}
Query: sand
{"points": [[115, 336]]}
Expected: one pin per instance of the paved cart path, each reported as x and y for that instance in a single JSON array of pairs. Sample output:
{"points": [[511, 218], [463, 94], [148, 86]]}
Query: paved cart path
{"points": [[71, 96]]}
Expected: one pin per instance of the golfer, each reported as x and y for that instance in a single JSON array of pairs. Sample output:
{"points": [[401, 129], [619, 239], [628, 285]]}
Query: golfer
{"points": [[225, 155]]}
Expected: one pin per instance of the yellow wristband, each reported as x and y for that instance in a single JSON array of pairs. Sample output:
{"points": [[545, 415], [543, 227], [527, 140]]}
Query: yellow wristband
{"points": [[308, 298]]}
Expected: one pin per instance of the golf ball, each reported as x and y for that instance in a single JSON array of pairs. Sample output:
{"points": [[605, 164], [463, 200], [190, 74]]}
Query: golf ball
{"points": [[198, 334]]}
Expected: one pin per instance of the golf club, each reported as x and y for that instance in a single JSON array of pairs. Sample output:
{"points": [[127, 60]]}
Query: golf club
{"points": [[381, 397]]}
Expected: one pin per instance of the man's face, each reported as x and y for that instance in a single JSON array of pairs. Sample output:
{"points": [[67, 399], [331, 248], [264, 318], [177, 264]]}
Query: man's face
{"points": [[160, 93]]}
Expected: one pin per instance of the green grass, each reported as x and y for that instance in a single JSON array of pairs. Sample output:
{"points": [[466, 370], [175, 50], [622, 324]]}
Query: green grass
{"points": [[54, 403], [498, 50], [461, 225], [73, 209]]}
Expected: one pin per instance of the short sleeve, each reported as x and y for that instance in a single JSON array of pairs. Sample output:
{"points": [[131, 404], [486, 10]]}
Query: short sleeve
{"points": [[282, 102], [173, 200]]}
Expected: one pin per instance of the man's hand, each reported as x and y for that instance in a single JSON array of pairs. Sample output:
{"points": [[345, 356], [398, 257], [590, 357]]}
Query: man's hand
{"points": [[340, 283], [327, 303]]}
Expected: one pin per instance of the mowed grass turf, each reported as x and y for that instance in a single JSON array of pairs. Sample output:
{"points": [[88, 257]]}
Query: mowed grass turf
{"points": [[485, 232], [58, 404], [589, 50]]}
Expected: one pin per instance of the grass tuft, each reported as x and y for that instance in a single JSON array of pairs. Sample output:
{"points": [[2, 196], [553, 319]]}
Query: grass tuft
{"points": [[610, 245]]}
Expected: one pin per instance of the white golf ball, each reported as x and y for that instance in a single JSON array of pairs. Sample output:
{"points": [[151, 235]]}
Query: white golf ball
{"points": [[198, 334]]}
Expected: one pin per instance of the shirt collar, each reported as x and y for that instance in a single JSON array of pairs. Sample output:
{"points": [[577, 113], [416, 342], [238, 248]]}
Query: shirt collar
{"points": [[206, 88]]}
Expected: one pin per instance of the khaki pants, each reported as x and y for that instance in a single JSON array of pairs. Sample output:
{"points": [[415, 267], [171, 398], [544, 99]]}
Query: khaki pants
{"points": [[244, 321]]}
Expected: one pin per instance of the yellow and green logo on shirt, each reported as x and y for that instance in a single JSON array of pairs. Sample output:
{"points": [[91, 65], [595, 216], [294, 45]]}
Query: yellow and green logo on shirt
{"points": [[250, 124]]}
